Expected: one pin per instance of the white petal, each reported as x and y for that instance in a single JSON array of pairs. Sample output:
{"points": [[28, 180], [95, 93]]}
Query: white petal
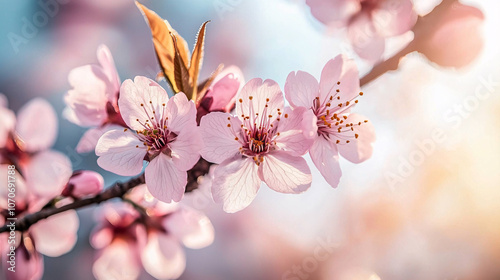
{"points": [[164, 180], [186, 148], [163, 257], [254, 97], [57, 234], [89, 139], [325, 156], [36, 125], [192, 227], [120, 152], [285, 173], [301, 89], [236, 183], [181, 113], [358, 149], [117, 262], [219, 132], [291, 131]]}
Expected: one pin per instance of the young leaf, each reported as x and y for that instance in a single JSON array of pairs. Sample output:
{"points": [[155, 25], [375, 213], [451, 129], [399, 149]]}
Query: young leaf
{"points": [[181, 74], [197, 57]]}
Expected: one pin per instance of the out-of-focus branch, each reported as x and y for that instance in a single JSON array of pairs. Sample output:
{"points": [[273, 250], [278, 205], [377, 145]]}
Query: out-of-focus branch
{"points": [[117, 190]]}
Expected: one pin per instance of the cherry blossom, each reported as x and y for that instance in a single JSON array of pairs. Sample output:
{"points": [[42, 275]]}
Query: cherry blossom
{"points": [[92, 101], [263, 142], [221, 95], [127, 239], [83, 183], [52, 237], [25, 142], [369, 22], [164, 134], [337, 130]]}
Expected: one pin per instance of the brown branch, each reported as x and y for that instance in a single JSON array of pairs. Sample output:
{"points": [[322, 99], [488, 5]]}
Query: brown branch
{"points": [[117, 190]]}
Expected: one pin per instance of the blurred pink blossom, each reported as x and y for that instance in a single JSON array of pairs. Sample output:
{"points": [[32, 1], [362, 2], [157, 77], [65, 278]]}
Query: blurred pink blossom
{"points": [[152, 240], [84, 183], [165, 134], [93, 99], [263, 142], [53, 236], [369, 22], [336, 129]]}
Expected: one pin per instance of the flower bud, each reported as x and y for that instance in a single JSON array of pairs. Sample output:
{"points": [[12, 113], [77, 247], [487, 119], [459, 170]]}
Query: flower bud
{"points": [[450, 36], [84, 183]]}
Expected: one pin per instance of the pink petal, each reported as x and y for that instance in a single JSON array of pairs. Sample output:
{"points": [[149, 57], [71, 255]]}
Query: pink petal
{"points": [[393, 18], [181, 113], [36, 125], [87, 100], [343, 70], [285, 173], [163, 257], [291, 136], [186, 148], [236, 183], [254, 96], [89, 139], [222, 93], [102, 237], [84, 183], [117, 262], [47, 173], [20, 188], [29, 264], [332, 11], [108, 65], [120, 152], [164, 180], [325, 156], [57, 234], [3, 101], [7, 123], [220, 140], [193, 228], [141, 91], [301, 89], [360, 149], [365, 39]]}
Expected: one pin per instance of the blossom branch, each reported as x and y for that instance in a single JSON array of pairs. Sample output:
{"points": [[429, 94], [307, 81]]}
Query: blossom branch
{"points": [[117, 190]]}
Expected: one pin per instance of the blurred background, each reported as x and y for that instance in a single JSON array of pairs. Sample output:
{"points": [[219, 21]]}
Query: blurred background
{"points": [[425, 206]]}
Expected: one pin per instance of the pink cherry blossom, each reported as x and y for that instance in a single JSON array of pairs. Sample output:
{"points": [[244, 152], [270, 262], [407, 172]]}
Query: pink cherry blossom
{"points": [[338, 131], [263, 142], [221, 95], [164, 134], [53, 236], [92, 101], [369, 22], [84, 183], [152, 241], [26, 142]]}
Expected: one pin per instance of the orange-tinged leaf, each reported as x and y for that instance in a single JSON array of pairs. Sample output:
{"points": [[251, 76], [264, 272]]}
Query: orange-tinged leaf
{"points": [[164, 44], [181, 74], [197, 57]]}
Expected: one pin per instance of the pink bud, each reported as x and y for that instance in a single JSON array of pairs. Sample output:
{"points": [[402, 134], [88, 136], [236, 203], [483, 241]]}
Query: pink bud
{"points": [[450, 36], [84, 183]]}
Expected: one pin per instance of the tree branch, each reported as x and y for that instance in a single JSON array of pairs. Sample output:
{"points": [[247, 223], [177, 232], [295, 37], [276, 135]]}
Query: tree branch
{"points": [[117, 190]]}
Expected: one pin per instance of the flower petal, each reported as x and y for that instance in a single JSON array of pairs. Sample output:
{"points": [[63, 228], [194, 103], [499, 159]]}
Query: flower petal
{"points": [[57, 234], [301, 89], [333, 11], [285, 173], [120, 152], [108, 65], [7, 123], [186, 148], [89, 139], [236, 183], [141, 91], [28, 262], [164, 180], [325, 156], [117, 262], [291, 136], [192, 227], [181, 113], [47, 173], [393, 18], [365, 39], [36, 125], [222, 92], [343, 70], [163, 257], [255, 96], [219, 132], [359, 149]]}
